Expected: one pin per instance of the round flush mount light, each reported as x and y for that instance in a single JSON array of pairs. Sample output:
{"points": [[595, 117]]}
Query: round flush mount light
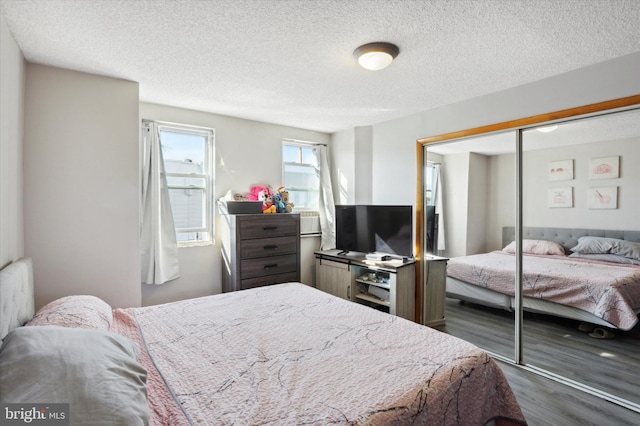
{"points": [[376, 56]]}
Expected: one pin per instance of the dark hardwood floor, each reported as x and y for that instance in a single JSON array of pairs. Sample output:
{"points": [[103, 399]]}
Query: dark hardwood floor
{"points": [[556, 345]]}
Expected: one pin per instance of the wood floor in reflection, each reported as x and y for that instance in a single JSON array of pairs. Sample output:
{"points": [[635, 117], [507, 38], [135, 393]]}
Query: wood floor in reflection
{"points": [[556, 345]]}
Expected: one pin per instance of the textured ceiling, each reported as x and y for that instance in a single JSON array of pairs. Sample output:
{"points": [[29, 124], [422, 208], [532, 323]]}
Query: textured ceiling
{"points": [[290, 61]]}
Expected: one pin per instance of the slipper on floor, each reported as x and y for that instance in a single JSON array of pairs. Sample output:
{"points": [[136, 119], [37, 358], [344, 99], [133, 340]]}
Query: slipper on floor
{"points": [[601, 333], [586, 327]]}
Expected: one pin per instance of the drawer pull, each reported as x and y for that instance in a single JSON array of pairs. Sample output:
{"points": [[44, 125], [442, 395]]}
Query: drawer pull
{"points": [[271, 247], [270, 228], [271, 266]]}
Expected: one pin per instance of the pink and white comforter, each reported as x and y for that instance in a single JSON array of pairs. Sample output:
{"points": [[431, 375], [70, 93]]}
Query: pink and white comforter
{"points": [[290, 354], [607, 290]]}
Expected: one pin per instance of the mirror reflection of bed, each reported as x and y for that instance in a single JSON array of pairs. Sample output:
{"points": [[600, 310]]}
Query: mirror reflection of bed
{"points": [[596, 349], [554, 284]]}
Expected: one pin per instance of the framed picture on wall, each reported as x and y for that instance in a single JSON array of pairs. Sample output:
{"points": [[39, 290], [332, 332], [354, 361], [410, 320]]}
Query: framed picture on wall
{"points": [[604, 168], [603, 198], [561, 170], [560, 197]]}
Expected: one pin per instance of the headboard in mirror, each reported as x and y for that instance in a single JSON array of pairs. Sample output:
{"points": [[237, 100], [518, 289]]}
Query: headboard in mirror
{"points": [[566, 237]]}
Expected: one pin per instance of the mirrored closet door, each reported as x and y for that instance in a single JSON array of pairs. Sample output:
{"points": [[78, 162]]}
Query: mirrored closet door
{"points": [[581, 186], [468, 198], [548, 200]]}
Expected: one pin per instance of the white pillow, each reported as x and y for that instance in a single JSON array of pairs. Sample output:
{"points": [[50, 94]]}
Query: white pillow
{"points": [[94, 371]]}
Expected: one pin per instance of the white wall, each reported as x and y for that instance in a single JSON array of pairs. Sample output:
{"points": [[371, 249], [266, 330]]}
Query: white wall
{"points": [[502, 198], [487, 186], [246, 153], [394, 161], [455, 185], [343, 175], [352, 166], [477, 206], [12, 82], [536, 184], [363, 186], [81, 185]]}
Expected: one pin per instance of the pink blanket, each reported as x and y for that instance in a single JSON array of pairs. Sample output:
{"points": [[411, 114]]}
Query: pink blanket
{"points": [[607, 290], [290, 354]]}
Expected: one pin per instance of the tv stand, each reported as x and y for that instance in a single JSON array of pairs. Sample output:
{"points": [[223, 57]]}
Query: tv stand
{"points": [[388, 286]]}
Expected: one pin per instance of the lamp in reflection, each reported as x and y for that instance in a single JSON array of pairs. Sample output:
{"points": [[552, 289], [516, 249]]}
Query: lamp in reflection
{"points": [[547, 129]]}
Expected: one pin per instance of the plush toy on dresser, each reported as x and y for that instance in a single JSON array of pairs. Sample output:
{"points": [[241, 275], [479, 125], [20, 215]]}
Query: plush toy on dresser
{"points": [[283, 203], [288, 206], [269, 207], [273, 201]]}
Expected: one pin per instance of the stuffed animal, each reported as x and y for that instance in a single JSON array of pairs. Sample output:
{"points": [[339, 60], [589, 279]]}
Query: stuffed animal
{"points": [[268, 207], [277, 201], [259, 193], [288, 206]]}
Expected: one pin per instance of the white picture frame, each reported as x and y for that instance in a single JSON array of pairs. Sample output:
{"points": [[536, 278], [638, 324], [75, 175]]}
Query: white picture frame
{"points": [[604, 168], [602, 198], [560, 170], [560, 197]]}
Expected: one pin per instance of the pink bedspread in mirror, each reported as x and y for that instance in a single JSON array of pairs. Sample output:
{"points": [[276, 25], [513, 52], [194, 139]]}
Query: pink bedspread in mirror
{"points": [[607, 290]]}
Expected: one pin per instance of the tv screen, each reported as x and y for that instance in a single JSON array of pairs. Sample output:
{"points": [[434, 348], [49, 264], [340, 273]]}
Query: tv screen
{"points": [[367, 229]]}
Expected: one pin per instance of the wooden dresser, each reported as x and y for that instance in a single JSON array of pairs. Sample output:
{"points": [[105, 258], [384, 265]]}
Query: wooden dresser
{"points": [[259, 250]]}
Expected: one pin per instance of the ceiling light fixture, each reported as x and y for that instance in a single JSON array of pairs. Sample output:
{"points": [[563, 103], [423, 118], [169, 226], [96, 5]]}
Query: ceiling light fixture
{"points": [[376, 56]]}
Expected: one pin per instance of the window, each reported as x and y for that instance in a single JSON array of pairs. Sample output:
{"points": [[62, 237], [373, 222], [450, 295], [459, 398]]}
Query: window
{"points": [[301, 174], [431, 177], [187, 153]]}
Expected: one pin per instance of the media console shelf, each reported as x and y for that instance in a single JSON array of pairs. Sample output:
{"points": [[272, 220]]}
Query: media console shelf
{"points": [[388, 286]]}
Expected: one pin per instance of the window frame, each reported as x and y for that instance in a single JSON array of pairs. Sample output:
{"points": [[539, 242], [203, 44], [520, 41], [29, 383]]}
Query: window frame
{"points": [[208, 176]]}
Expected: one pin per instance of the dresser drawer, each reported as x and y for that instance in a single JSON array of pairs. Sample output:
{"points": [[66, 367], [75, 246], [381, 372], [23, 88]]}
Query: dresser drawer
{"points": [[269, 226], [269, 247], [251, 268], [268, 280]]}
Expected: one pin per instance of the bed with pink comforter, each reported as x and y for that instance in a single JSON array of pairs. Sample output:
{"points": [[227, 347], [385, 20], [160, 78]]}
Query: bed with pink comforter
{"points": [[609, 291], [290, 354]]}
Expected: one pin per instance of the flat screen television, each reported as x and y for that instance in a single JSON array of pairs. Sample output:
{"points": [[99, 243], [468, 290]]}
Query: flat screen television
{"points": [[368, 229]]}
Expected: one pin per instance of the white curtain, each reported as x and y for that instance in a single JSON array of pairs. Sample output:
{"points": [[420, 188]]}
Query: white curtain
{"points": [[440, 209], [158, 245], [327, 205]]}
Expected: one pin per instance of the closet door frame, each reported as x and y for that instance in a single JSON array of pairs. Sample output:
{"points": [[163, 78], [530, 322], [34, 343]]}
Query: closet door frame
{"points": [[518, 126]]}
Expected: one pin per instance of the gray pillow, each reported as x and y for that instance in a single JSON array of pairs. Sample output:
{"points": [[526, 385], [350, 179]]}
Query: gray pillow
{"points": [[94, 371], [613, 258], [602, 245], [627, 249], [593, 245]]}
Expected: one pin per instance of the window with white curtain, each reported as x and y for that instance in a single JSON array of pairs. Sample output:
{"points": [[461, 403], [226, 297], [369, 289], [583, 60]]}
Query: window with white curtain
{"points": [[188, 160], [301, 174], [430, 183]]}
